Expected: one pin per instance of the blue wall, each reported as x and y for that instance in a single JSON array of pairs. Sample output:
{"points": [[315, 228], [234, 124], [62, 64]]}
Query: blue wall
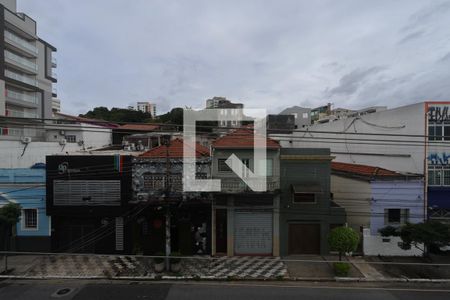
{"points": [[27, 188], [403, 194]]}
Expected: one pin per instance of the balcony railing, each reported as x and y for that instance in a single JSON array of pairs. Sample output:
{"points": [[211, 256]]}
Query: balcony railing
{"points": [[54, 62], [20, 114], [11, 131], [22, 43], [22, 78], [54, 75], [21, 61], [237, 185], [21, 96]]}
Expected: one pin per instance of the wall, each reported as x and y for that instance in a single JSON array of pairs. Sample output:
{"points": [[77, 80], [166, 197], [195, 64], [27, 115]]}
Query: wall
{"points": [[93, 136], [35, 152], [354, 195], [22, 186], [374, 245], [307, 171], [10, 4], [396, 194], [402, 120]]}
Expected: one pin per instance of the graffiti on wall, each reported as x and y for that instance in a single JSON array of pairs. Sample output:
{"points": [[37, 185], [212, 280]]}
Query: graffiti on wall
{"points": [[442, 158], [438, 114]]}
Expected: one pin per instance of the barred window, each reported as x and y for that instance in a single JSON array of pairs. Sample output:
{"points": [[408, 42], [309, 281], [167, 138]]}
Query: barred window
{"points": [[30, 218]]}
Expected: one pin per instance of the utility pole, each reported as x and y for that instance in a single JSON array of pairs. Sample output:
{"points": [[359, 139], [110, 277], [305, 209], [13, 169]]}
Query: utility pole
{"points": [[167, 191]]}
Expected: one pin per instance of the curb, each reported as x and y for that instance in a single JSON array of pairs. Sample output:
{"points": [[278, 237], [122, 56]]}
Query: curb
{"points": [[210, 278]]}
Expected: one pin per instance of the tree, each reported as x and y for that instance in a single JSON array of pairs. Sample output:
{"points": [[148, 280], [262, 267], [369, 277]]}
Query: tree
{"points": [[119, 115], [343, 240], [9, 216], [431, 234]]}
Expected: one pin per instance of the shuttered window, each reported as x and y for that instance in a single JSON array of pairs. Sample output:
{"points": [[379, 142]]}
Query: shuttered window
{"points": [[86, 192]]}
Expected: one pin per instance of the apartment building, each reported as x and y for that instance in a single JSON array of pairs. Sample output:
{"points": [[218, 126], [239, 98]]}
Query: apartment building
{"points": [[224, 104], [147, 107], [27, 75]]}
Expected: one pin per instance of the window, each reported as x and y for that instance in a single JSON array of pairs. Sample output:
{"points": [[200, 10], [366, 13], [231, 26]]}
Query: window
{"points": [[71, 138], [395, 216], [269, 167], [305, 115], [438, 176], [304, 198], [30, 219], [295, 115], [439, 131], [223, 167]]}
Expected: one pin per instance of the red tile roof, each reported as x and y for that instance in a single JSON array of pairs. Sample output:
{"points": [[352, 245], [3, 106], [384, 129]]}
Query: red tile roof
{"points": [[175, 150], [365, 171], [243, 139], [139, 127]]}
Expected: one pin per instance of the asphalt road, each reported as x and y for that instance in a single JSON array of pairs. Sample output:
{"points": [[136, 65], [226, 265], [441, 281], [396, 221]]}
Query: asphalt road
{"points": [[36, 290]]}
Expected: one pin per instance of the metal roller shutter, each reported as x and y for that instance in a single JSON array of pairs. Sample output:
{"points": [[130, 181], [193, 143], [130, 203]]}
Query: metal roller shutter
{"points": [[253, 233]]}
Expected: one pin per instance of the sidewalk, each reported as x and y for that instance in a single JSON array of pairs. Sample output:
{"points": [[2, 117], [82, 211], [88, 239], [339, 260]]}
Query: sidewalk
{"points": [[95, 266]]}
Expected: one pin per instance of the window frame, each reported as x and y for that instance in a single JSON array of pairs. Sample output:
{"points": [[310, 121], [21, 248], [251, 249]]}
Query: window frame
{"points": [[304, 202], [69, 138], [24, 226]]}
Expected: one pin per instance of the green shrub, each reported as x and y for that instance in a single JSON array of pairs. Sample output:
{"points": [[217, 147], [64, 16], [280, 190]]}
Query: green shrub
{"points": [[159, 260], [341, 268], [342, 240]]}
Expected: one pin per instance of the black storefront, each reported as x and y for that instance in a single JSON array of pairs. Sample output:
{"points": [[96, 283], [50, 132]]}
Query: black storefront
{"points": [[88, 201]]}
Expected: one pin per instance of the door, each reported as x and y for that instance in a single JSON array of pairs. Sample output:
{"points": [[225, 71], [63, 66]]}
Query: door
{"points": [[304, 238], [253, 233], [221, 231]]}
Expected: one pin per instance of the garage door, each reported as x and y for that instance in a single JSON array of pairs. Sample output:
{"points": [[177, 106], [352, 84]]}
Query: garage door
{"points": [[253, 233], [304, 238]]}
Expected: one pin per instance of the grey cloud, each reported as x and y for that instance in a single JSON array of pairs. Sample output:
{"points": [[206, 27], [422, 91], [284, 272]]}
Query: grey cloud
{"points": [[349, 83], [411, 36]]}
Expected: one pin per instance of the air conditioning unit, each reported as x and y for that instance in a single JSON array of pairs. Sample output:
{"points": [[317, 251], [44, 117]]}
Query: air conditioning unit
{"points": [[62, 142], [142, 197], [26, 140]]}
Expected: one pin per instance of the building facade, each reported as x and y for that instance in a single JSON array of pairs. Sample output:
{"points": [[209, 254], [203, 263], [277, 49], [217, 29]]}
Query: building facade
{"points": [[244, 222], [27, 73], [147, 107], [307, 212], [374, 198], [408, 139], [88, 200], [26, 187]]}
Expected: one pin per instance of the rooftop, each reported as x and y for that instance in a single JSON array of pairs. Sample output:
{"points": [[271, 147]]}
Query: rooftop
{"points": [[369, 172], [175, 150], [242, 139]]}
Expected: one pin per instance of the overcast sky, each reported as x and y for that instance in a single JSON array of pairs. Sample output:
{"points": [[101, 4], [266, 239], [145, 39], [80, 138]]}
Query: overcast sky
{"points": [[271, 54]]}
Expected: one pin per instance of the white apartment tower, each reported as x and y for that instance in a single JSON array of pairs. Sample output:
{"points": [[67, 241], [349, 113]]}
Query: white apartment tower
{"points": [[26, 71], [147, 107]]}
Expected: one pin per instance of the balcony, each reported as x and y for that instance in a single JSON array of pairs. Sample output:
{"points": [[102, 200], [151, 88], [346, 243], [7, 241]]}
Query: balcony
{"points": [[54, 75], [21, 96], [8, 131], [20, 62], [20, 114], [22, 78], [236, 185], [21, 44]]}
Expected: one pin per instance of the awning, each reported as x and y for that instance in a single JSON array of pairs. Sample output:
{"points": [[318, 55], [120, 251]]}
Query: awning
{"points": [[307, 188]]}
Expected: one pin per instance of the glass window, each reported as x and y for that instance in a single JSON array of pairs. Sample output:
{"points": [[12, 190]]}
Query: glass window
{"points": [[304, 198], [431, 133], [447, 132], [71, 138], [394, 215], [447, 177], [223, 167], [431, 180], [30, 218]]}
